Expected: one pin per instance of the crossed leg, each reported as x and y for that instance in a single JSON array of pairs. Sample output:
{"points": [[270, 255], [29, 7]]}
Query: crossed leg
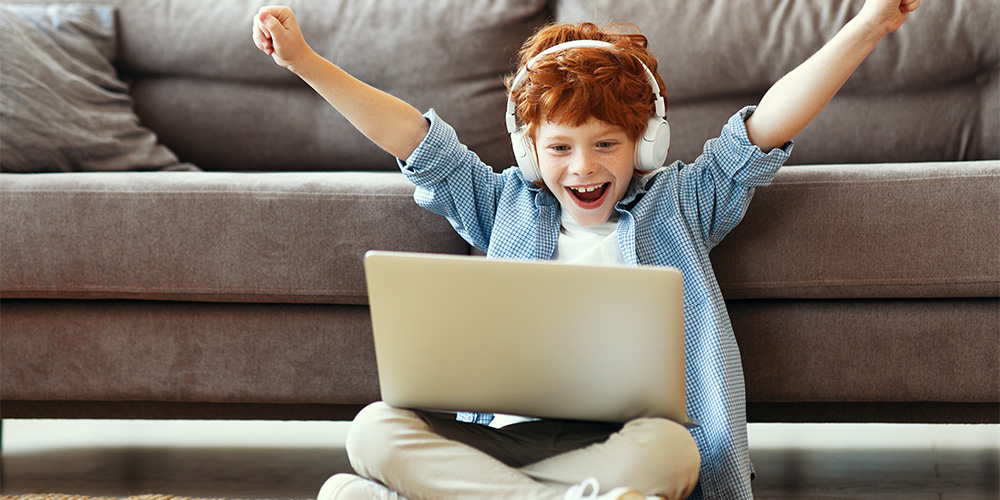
{"points": [[424, 455]]}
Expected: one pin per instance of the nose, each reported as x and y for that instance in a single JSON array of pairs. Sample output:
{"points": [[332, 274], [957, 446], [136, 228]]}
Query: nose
{"points": [[582, 164]]}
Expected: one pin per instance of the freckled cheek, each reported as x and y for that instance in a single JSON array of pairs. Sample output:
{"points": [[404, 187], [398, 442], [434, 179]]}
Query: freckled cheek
{"points": [[551, 173], [551, 182], [620, 192]]}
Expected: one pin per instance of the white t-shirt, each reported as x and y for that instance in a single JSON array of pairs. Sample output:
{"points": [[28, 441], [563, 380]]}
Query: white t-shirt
{"points": [[588, 245]]}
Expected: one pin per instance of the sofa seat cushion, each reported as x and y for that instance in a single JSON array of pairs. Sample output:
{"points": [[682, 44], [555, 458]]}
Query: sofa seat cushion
{"points": [[868, 231], [827, 232], [262, 237]]}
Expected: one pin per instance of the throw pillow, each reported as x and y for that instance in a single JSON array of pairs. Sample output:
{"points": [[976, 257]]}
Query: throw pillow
{"points": [[62, 107]]}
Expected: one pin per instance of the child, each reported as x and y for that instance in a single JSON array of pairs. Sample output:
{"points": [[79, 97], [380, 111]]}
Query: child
{"points": [[584, 192]]}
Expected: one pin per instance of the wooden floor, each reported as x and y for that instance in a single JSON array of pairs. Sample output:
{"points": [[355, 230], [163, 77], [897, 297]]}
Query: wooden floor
{"points": [[283, 460]]}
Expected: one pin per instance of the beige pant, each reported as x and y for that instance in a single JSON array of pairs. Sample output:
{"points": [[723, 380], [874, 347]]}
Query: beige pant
{"points": [[428, 456]]}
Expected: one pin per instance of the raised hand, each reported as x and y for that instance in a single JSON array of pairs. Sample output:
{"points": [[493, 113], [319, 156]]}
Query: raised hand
{"points": [[886, 16], [277, 34]]}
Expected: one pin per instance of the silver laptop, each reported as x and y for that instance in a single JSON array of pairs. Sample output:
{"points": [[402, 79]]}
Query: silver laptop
{"points": [[537, 339]]}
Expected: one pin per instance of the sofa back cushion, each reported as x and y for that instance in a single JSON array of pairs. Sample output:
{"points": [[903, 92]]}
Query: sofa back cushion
{"points": [[218, 102], [224, 105], [929, 92]]}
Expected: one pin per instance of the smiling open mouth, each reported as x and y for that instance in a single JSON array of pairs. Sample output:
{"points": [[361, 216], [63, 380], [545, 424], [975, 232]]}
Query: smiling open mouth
{"points": [[589, 194]]}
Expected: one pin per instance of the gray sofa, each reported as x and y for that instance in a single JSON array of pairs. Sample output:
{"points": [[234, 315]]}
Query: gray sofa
{"points": [[205, 260]]}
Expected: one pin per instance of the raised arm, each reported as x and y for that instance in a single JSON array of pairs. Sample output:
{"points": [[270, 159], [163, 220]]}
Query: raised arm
{"points": [[798, 97], [389, 122]]}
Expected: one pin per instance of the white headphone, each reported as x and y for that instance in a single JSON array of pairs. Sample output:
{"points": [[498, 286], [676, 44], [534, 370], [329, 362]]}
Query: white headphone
{"points": [[650, 150]]}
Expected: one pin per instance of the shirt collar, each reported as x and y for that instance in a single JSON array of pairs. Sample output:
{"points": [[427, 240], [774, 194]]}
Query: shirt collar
{"points": [[542, 197], [639, 186]]}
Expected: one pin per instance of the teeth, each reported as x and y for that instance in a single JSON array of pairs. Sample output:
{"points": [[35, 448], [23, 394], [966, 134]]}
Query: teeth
{"points": [[587, 189]]}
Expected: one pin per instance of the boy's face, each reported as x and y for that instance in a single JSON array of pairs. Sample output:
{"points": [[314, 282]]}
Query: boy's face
{"points": [[588, 167]]}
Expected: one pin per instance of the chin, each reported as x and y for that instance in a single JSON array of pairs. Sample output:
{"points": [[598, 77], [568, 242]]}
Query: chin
{"points": [[590, 218]]}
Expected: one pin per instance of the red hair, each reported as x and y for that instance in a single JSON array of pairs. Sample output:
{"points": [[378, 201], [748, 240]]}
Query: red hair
{"points": [[574, 85]]}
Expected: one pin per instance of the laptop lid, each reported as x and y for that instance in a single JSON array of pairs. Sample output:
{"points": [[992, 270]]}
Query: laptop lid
{"points": [[532, 338]]}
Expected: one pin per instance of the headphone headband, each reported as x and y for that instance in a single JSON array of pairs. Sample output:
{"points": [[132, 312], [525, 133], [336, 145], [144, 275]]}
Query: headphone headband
{"points": [[522, 75], [650, 149]]}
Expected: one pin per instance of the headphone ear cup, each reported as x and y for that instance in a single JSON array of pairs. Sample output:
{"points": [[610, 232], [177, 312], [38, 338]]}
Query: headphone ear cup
{"points": [[524, 154], [651, 149]]}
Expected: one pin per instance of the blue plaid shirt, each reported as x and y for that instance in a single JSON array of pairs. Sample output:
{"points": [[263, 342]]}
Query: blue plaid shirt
{"points": [[672, 217]]}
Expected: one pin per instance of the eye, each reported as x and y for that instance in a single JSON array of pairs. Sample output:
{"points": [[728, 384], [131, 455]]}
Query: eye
{"points": [[558, 148], [606, 144]]}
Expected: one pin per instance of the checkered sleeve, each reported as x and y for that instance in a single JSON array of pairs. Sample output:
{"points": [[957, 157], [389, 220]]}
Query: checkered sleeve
{"points": [[717, 188], [452, 181]]}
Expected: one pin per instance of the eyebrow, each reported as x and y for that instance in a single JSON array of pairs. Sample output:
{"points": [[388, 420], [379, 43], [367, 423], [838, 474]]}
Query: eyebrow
{"points": [[555, 137], [611, 130]]}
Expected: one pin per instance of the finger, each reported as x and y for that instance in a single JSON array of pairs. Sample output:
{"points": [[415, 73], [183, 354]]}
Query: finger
{"points": [[265, 19], [259, 38], [258, 26], [269, 22], [259, 21]]}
